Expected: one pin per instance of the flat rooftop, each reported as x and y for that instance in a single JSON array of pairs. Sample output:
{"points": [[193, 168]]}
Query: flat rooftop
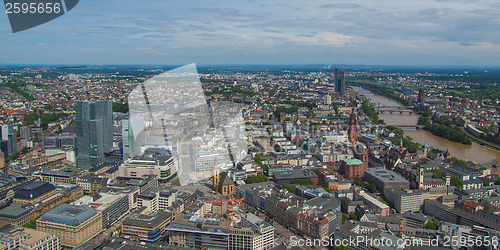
{"points": [[71, 215], [385, 175]]}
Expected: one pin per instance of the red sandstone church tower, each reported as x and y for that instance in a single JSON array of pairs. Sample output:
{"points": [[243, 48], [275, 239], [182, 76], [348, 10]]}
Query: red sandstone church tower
{"points": [[352, 131]]}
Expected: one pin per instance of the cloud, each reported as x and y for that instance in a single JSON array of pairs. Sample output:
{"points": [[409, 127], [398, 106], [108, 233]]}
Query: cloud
{"points": [[126, 31], [341, 6]]}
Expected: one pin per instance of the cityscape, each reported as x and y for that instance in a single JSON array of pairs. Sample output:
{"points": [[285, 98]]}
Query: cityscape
{"points": [[250, 125], [328, 154]]}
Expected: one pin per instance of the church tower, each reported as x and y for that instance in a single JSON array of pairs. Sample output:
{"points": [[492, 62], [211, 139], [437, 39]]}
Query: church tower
{"points": [[352, 131], [216, 178]]}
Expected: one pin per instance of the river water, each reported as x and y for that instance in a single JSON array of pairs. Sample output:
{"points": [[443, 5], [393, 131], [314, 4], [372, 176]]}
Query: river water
{"points": [[474, 152]]}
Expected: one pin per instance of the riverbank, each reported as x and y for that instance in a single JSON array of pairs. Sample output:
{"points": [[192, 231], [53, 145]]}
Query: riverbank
{"points": [[474, 152]]}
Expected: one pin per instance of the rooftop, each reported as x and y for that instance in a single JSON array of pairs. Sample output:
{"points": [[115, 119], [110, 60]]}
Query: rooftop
{"points": [[352, 161], [385, 175], [152, 220], [71, 215], [297, 174]]}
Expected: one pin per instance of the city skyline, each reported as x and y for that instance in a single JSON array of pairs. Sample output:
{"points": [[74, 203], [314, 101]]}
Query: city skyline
{"points": [[211, 33]]}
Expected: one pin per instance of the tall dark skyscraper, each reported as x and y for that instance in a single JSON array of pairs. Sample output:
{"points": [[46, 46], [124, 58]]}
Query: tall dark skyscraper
{"points": [[421, 96], [340, 82], [94, 131]]}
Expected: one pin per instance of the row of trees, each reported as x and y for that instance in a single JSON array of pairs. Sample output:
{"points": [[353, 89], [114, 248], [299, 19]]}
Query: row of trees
{"points": [[447, 129], [369, 110]]}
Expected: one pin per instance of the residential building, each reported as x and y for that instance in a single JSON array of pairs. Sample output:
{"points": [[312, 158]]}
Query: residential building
{"points": [[91, 184], [17, 237]]}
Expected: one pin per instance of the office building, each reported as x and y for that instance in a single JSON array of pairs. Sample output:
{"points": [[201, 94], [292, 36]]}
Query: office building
{"points": [[406, 199], [421, 96], [340, 82], [34, 192], [156, 199], [146, 226], [110, 206], [74, 224], [2, 163], [58, 177], [132, 136], [327, 99], [193, 231], [296, 175], [9, 142], [94, 130], [59, 141], [17, 214], [16, 237], [158, 162], [385, 179]]}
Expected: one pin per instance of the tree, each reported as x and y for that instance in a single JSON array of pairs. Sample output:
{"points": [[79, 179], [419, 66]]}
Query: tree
{"points": [[457, 182], [24, 150], [256, 179], [357, 181], [434, 225], [289, 187], [344, 218], [307, 182], [438, 172], [372, 188], [353, 216]]}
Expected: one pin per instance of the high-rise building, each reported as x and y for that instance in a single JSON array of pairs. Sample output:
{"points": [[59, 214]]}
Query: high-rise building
{"points": [[9, 142], [421, 96], [340, 82], [2, 163], [94, 131], [328, 99], [132, 139]]}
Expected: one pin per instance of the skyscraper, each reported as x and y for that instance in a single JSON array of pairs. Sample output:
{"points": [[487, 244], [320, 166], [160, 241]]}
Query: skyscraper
{"points": [[340, 82], [132, 140], [9, 142], [421, 96], [94, 131]]}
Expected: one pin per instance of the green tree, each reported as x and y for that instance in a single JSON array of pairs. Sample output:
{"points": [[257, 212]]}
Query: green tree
{"points": [[434, 225], [457, 182], [289, 187], [353, 216], [256, 179]]}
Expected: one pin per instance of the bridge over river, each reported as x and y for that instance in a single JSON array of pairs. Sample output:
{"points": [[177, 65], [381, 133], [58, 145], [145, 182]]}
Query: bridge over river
{"points": [[394, 109]]}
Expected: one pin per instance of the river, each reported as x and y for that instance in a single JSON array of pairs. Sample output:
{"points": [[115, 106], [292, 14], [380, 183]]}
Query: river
{"points": [[474, 152]]}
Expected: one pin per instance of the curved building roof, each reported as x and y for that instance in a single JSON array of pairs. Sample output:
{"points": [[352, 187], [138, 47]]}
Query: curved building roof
{"points": [[34, 190]]}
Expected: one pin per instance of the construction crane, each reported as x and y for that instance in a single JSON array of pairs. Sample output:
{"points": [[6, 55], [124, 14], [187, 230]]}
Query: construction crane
{"points": [[232, 200]]}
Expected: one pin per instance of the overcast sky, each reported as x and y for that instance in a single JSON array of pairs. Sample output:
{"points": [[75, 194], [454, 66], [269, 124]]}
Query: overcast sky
{"points": [[399, 32]]}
